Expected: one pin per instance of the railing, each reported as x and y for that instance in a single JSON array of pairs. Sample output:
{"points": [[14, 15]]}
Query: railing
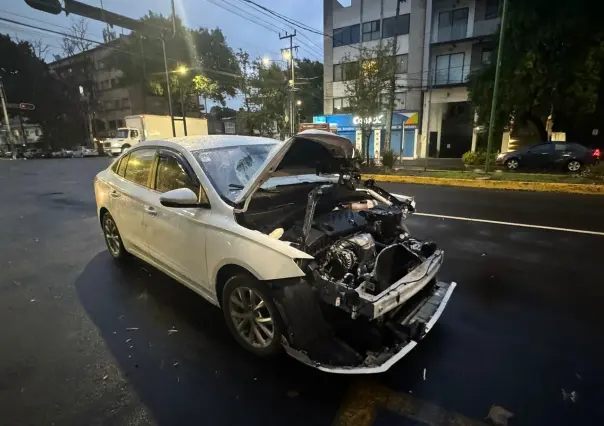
{"points": [[486, 27]]}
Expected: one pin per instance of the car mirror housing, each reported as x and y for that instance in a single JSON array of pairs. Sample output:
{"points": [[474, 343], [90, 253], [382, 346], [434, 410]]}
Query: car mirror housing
{"points": [[181, 197]]}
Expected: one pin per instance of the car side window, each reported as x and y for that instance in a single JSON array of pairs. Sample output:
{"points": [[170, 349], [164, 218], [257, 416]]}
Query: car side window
{"points": [[121, 169], [172, 175], [139, 165], [134, 134], [541, 148], [563, 147]]}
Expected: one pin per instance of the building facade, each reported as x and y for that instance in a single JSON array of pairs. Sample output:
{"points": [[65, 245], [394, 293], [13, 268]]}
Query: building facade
{"points": [[24, 135], [439, 43], [105, 101]]}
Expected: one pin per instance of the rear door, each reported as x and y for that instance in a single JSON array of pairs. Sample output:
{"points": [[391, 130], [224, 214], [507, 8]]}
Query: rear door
{"points": [[131, 194], [177, 236]]}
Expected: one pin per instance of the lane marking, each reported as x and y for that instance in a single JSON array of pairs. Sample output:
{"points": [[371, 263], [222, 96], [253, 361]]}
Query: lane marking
{"points": [[521, 225]]}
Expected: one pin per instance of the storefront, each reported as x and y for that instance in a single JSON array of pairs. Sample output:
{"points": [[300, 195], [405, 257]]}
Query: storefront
{"points": [[403, 139]]}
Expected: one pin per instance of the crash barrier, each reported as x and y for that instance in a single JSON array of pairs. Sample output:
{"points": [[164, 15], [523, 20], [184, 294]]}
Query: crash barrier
{"points": [[594, 189]]}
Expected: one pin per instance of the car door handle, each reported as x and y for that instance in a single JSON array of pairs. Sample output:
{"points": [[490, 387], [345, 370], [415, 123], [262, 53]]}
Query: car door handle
{"points": [[113, 193], [151, 211]]}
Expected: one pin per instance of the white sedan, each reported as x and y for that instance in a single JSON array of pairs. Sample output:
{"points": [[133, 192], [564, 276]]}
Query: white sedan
{"points": [[284, 238]]}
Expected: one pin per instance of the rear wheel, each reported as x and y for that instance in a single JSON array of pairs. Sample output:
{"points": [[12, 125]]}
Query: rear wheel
{"points": [[251, 315], [573, 166], [112, 237], [512, 164]]}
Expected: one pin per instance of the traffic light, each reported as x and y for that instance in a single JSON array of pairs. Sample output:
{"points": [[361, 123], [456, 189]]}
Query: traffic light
{"points": [[48, 6], [26, 107]]}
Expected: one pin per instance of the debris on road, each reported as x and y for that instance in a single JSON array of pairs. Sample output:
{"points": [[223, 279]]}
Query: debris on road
{"points": [[569, 396], [36, 239], [129, 340], [33, 300], [105, 377], [132, 329], [499, 415], [175, 364], [17, 283], [172, 330], [424, 374], [483, 255], [578, 376]]}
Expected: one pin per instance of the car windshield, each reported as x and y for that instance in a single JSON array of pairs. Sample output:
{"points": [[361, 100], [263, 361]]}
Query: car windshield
{"points": [[122, 133], [231, 168]]}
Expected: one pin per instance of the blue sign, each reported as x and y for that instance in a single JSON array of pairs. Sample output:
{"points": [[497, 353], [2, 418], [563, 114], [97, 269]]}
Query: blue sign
{"points": [[319, 119]]}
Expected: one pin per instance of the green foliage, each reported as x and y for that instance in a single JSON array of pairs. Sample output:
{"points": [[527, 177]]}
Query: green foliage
{"points": [[309, 74], [389, 159], [372, 77], [28, 79], [552, 58], [477, 158]]}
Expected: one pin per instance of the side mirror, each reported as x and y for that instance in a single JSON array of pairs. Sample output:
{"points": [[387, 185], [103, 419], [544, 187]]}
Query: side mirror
{"points": [[181, 197]]}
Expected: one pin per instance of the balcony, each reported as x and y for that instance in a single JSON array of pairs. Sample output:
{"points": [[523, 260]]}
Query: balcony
{"points": [[486, 27], [450, 77], [459, 33]]}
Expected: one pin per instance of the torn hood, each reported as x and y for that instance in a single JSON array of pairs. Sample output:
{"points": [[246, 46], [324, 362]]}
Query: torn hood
{"points": [[310, 151]]}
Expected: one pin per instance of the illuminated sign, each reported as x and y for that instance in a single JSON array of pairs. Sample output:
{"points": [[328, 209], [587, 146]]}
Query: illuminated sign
{"points": [[373, 120]]}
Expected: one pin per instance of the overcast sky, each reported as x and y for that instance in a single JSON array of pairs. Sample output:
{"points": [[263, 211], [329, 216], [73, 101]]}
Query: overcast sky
{"points": [[239, 31]]}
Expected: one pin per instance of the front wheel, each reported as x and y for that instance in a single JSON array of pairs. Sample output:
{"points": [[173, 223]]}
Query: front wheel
{"points": [[573, 166], [125, 148], [512, 164], [251, 315], [113, 238]]}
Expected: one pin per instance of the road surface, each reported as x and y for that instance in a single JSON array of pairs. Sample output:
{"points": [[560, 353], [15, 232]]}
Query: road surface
{"points": [[86, 341]]}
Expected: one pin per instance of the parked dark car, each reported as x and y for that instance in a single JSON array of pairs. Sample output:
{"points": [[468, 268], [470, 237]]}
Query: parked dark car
{"points": [[568, 156]]}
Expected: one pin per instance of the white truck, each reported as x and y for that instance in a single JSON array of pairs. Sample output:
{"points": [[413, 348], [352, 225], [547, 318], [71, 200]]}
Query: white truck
{"points": [[140, 128]]}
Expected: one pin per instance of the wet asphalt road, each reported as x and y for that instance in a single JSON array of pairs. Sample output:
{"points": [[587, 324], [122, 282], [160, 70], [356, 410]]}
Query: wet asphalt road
{"points": [[525, 322]]}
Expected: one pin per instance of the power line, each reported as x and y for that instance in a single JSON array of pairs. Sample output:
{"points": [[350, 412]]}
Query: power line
{"points": [[244, 17]]}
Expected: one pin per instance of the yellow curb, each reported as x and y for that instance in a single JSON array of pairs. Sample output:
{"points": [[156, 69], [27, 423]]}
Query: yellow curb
{"points": [[593, 189]]}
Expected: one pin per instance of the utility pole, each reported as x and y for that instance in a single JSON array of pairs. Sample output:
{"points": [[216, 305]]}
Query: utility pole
{"points": [[389, 113], [163, 46], [292, 82], [496, 88], [9, 135]]}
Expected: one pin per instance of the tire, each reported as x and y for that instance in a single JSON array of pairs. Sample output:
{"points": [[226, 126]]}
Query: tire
{"points": [[512, 164], [125, 147], [246, 299], [574, 166], [113, 238]]}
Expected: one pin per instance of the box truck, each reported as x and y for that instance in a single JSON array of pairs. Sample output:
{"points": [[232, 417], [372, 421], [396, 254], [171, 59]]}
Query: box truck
{"points": [[140, 128]]}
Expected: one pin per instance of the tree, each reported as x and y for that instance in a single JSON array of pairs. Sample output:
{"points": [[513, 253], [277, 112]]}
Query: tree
{"points": [[223, 112], [27, 78], [552, 61], [372, 69], [77, 41], [309, 78]]}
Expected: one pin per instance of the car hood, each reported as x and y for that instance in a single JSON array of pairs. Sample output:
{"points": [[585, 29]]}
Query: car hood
{"points": [[310, 151]]}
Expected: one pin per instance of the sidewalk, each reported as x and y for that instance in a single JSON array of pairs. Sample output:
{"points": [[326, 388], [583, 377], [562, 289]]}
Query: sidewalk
{"points": [[430, 164]]}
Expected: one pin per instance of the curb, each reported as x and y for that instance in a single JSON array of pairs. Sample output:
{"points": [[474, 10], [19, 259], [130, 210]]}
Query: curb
{"points": [[571, 188]]}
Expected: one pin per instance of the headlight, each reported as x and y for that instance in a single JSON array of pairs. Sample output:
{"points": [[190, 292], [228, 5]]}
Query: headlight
{"points": [[500, 156]]}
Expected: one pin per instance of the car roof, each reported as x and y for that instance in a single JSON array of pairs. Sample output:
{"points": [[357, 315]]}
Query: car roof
{"points": [[195, 143]]}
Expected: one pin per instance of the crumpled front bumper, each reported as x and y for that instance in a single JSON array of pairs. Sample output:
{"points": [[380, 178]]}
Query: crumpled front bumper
{"points": [[425, 315]]}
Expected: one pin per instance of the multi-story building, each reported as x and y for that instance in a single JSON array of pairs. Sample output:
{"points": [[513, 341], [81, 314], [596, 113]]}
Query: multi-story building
{"points": [[24, 135], [439, 43], [105, 101]]}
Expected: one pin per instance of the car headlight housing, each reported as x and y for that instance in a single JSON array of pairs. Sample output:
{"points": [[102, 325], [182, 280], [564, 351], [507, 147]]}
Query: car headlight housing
{"points": [[500, 156]]}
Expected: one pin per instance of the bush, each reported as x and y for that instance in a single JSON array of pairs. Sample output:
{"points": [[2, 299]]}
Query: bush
{"points": [[469, 158], [596, 171], [388, 159], [477, 158]]}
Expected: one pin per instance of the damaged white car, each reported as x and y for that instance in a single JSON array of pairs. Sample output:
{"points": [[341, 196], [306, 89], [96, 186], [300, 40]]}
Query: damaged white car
{"points": [[283, 237]]}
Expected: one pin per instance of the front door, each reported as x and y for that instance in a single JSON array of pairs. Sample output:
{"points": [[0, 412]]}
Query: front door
{"points": [[176, 237], [129, 195], [539, 157]]}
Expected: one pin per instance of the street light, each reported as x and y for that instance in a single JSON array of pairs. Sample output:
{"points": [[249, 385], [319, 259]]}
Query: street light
{"points": [[298, 102], [266, 61], [182, 70], [287, 54]]}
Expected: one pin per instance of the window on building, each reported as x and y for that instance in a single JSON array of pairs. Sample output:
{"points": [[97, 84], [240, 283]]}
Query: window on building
{"points": [[453, 25], [399, 100], [492, 9], [171, 175], [340, 105], [371, 30], [112, 124], [139, 166], [345, 71], [401, 64], [486, 56], [38, 132], [100, 64], [347, 35], [114, 82], [450, 69], [116, 103], [395, 26], [125, 103]]}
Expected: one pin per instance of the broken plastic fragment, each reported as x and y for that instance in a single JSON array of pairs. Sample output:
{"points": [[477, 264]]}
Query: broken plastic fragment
{"points": [[132, 329], [424, 374], [172, 330], [499, 415]]}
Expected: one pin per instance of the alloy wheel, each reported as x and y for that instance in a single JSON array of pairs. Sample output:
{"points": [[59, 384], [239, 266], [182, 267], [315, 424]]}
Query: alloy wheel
{"points": [[512, 164], [574, 166], [112, 236], [251, 317]]}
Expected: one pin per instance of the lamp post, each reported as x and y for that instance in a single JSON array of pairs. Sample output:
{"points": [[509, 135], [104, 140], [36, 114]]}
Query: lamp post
{"points": [[298, 104], [183, 71]]}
